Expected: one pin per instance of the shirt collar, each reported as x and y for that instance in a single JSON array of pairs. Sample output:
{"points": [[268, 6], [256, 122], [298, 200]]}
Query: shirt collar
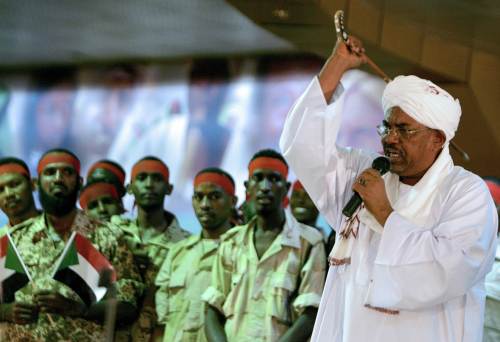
{"points": [[291, 232], [289, 235], [193, 240]]}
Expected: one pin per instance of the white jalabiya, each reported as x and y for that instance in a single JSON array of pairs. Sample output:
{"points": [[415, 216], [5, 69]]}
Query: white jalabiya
{"points": [[492, 311], [417, 280]]}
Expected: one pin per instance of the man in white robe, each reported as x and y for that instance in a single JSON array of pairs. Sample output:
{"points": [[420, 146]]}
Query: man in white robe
{"points": [[410, 265]]}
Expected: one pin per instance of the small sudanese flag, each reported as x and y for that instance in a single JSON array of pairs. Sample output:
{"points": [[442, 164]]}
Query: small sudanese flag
{"points": [[80, 268], [13, 273]]}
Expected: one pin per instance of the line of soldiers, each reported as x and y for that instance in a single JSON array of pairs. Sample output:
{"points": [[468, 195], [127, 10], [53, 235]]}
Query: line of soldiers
{"points": [[252, 277]]}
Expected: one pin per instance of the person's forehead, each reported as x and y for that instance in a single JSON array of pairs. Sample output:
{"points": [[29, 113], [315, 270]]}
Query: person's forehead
{"points": [[150, 173], [10, 176], [207, 187], [101, 197], [100, 172], [59, 166], [397, 116], [266, 171]]}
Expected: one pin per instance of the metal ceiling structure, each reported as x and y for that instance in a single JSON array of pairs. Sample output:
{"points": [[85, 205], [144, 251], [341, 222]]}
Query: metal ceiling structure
{"points": [[72, 32]]}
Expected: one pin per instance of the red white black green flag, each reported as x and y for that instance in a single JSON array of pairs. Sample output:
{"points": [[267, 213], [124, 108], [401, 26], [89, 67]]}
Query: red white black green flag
{"points": [[13, 273], [80, 267]]}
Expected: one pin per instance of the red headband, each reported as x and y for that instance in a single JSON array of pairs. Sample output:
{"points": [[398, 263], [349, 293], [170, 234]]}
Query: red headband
{"points": [[216, 178], [149, 166], [109, 167], [58, 157], [13, 168], [96, 190], [268, 163], [297, 185]]}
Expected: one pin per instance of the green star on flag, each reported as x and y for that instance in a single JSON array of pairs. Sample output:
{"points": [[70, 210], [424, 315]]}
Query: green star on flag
{"points": [[13, 273]]}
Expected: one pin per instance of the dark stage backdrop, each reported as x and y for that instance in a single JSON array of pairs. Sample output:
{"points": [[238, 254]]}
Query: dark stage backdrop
{"points": [[191, 114]]}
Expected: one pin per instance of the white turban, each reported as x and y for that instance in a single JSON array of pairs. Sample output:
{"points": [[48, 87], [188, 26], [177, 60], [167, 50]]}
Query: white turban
{"points": [[425, 102]]}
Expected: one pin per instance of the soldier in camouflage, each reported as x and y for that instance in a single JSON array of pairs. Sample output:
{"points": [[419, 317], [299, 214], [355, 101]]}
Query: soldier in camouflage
{"points": [[55, 312], [151, 234]]}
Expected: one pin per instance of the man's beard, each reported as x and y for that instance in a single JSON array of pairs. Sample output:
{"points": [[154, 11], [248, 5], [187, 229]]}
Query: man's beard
{"points": [[58, 206], [152, 207]]}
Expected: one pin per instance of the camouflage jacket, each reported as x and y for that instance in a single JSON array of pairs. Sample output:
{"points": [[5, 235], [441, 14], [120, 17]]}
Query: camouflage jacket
{"points": [[40, 247], [150, 242], [150, 247]]}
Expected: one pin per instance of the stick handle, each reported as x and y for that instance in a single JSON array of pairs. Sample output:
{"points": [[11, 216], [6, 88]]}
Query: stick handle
{"points": [[460, 151], [377, 69]]}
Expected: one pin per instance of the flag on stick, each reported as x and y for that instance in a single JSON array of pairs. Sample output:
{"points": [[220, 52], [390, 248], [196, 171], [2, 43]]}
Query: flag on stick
{"points": [[13, 273], [80, 267]]}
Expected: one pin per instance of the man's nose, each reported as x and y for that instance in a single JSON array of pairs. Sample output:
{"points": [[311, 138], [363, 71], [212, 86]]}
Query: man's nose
{"points": [[391, 137], [205, 202], [265, 184], [101, 206], [58, 175], [149, 182]]}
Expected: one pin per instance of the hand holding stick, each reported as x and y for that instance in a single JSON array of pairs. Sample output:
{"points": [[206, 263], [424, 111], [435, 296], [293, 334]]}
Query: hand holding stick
{"points": [[351, 44]]}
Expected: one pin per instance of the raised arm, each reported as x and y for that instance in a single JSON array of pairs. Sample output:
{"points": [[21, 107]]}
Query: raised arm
{"points": [[308, 140]]}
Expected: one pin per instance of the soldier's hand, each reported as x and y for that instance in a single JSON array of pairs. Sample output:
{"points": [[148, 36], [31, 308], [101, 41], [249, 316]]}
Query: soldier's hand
{"points": [[19, 313], [142, 261], [55, 303]]}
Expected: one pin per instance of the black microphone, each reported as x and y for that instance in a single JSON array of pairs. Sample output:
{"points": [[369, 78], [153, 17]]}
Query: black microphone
{"points": [[382, 165]]}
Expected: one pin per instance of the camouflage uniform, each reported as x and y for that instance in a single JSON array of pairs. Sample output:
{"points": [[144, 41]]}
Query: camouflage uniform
{"points": [[8, 227], [182, 279], [154, 244], [261, 298], [40, 248]]}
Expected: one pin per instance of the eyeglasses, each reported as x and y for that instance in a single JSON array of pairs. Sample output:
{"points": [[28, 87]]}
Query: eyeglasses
{"points": [[403, 133]]}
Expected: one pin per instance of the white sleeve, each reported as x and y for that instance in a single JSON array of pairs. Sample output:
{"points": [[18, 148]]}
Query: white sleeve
{"points": [[420, 267], [308, 143]]}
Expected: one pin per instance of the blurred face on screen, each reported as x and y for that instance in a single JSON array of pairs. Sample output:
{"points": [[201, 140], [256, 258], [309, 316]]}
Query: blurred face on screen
{"points": [[53, 114]]}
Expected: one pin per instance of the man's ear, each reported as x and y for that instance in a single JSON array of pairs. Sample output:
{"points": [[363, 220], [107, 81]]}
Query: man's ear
{"points": [[288, 185], [169, 189], [122, 208], [234, 201], [128, 188], [34, 184], [438, 138]]}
